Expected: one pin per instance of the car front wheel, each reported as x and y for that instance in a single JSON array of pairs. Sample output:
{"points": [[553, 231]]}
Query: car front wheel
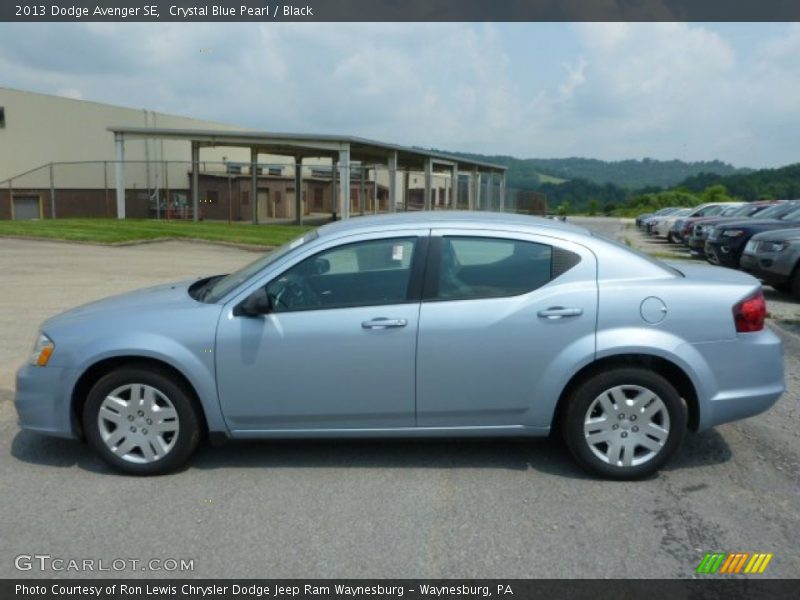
{"points": [[140, 421], [624, 423]]}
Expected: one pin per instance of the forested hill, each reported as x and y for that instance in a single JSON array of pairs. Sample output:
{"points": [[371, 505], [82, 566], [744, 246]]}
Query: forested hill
{"points": [[531, 173], [782, 183]]}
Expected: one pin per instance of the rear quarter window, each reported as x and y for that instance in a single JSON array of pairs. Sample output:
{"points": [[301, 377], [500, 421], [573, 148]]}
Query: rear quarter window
{"points": [[474, 267]]}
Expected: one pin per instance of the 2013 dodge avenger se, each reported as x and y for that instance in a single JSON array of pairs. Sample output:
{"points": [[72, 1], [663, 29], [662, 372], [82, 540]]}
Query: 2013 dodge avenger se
{"points": [[426, 324]]}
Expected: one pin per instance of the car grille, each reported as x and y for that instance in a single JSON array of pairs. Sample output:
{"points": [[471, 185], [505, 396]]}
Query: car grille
{"points": [[751, 247]]}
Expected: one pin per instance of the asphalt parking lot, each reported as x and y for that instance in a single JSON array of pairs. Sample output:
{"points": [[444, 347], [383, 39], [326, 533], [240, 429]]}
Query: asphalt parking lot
{"points": [[428, 509]]}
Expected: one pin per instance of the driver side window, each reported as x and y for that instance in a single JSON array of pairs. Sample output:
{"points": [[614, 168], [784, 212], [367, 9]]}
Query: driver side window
{"points": [[369, 273]]}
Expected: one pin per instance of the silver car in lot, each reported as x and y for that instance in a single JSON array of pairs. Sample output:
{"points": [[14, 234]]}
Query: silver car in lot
{"points": [[774, 257], [418, 325]]}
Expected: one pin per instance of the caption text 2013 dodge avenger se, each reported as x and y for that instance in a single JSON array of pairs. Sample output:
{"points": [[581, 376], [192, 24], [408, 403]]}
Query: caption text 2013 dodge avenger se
{"points": [[443, 324]]}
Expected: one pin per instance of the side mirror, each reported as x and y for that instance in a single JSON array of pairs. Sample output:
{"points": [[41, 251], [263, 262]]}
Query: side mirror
{"points": [[256, 304]]}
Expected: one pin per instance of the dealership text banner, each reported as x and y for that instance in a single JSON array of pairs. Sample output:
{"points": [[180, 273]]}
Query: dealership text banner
{"points": [[358, 589], [402, 10]]}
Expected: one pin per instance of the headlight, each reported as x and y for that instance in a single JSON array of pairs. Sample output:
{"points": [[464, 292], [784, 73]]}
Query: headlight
{"points": [[42, 350], [733, 232], [773, 246]]}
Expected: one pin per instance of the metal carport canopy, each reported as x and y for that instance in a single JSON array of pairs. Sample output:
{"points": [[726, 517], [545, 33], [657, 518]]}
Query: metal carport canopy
{"points": [[342, 148]]}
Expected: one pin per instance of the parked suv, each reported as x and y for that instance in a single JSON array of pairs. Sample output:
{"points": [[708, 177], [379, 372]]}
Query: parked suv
{"points": [[708, 209], [774, 257], [726, 241], [696, 238]]}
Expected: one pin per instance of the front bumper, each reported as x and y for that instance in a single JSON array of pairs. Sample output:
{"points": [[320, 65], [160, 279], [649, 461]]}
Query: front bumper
{"points": [[697, 244], [733, 392], [772, 267], [724, 254], [42, 401]]}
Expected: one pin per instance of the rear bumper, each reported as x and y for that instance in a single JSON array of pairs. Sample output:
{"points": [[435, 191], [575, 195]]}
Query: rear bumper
{"points": [[734, 392], [41, 401]]}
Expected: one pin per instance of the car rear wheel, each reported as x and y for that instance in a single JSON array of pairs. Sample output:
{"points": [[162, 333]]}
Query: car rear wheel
{"points": [[624, 423], [140, 421]]}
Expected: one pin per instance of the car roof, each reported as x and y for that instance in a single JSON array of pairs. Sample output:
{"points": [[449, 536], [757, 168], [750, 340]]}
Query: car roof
{"points": [[450, 218]]}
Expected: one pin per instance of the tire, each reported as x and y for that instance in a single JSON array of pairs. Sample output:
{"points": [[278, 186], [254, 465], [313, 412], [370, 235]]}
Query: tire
{"points": [[647, 450], [163, 405], [783, 288], [670, 238], [793, 285]]}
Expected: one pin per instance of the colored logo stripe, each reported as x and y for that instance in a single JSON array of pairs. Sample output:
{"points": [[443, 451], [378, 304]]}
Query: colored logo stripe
{"points": [[733, 563], [710, 563], [758, 564]]}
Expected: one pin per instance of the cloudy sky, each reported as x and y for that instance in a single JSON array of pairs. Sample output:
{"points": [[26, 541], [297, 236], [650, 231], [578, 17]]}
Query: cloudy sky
{"points": [[611, 91]]}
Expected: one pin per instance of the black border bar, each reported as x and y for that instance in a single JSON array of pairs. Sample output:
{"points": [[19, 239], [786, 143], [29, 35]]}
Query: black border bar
{"points": [[722, 587], [399, 10]]}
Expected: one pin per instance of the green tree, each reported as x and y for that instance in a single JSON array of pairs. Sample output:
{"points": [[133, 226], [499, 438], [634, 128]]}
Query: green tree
{"points": [[716, 193], [563, 209], [593, 206]]}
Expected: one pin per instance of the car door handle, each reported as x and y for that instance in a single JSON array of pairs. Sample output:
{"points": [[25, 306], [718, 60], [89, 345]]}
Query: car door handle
{"points": [[559, 312], [384, 323]]}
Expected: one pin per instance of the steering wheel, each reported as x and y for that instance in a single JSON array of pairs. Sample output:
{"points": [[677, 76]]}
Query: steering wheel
{"points": [[295, 293]]}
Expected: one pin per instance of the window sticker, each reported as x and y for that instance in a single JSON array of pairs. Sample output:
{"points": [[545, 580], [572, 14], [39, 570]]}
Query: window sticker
{"points": [[397, 252]]}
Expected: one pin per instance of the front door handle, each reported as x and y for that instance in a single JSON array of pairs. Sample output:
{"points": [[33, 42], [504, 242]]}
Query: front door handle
{"points": [[559, 312], [384, 323]]}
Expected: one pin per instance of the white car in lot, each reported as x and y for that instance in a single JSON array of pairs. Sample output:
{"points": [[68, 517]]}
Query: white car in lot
{"points": [[663, 224]]}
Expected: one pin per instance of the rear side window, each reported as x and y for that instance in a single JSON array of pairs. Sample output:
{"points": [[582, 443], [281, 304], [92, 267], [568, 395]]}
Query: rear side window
{"points": [[474, 267]]}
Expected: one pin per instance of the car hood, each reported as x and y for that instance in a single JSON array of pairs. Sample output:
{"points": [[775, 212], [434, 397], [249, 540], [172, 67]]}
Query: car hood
{"points": [[127, 305], [779, 235], [756, 224]]}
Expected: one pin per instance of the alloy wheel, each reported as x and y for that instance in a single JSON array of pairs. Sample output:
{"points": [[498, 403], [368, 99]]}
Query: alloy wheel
{"points": [[138, 423], [626, 426]]}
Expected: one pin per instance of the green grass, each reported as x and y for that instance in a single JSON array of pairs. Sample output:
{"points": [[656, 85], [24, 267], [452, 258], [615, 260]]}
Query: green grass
{"points": [[549, 178], [113, 231], [669, 256]]}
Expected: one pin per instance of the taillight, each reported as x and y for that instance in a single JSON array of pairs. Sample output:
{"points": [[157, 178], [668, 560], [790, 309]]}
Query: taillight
{"points": [[749, 314]]}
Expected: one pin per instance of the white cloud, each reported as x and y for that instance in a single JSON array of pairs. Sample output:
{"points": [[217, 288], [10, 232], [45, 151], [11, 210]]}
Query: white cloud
{"points": [[69, 92], [611, 90]]}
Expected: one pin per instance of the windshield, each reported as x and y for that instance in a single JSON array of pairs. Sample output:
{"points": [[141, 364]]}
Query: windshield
{"points": [[734, 210], [223, 286], [792, 216], [773, 212]]}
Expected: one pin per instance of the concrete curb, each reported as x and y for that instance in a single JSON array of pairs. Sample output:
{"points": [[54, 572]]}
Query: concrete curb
{"points": [[240, 246]]}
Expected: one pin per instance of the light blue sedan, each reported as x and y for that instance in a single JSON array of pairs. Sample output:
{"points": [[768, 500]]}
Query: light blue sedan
{"points": [[417, 325]]}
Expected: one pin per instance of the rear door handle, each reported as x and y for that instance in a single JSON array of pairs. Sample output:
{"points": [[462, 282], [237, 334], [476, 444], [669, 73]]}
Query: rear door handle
{"points": [[559, 312], [384, 323]]}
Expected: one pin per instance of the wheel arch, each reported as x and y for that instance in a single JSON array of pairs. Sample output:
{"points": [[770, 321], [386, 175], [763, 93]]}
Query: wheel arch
{"points": [[92, 374], [664, 367]]}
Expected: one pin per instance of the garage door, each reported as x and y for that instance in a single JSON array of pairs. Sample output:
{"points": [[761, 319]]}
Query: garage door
{"points": [[26, 208]]}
